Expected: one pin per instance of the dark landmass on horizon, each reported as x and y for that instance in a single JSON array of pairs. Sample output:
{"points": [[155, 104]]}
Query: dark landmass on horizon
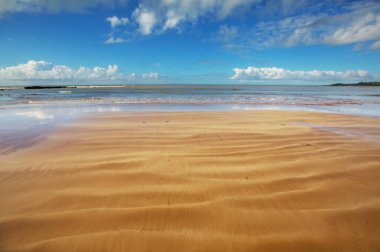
{"points": [[45, 87], [360, 84]]}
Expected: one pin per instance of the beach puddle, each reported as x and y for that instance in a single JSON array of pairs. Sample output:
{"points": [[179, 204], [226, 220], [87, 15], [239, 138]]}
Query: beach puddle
{"points": [[23, 125], [344, 131]]}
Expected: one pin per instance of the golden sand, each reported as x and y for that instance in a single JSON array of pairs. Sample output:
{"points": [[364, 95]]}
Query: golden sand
{"points": [[196, 181]]}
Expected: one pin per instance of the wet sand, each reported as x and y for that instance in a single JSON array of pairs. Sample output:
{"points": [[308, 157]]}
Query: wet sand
{"points": [[196, 181]]}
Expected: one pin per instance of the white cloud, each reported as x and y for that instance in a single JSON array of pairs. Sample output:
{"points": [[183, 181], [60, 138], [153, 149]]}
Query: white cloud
{"points": [[151, 76], [274, 22], [355, 22], [42, 70], [172, 19], [226, 7], [146, 20], [51, 6], [296, 22], [46, 71], [114, 40], [116, 21], [361, 28], [274, 73], [169, 14], [375, 45]]}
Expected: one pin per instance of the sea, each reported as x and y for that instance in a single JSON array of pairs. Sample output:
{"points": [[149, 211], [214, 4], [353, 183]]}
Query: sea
{"points": [[28, 114]]}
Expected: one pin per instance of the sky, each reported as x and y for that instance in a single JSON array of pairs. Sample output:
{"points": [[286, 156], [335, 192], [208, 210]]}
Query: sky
{"points": [[189, 42]]}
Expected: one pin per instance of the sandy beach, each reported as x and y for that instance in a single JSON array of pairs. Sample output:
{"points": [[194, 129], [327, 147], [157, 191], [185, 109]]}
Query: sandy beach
{"points": [[196, 181]]}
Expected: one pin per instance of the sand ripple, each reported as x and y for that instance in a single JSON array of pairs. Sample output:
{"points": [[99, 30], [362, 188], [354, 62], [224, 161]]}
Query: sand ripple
{"points": [[218, 181]]}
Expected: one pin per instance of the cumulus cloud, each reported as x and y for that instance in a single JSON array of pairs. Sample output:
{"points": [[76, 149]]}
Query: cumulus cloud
{"points": [[146, 20], [114, 40], [46, 71], [116, 21], [14, 6], [152, 76], [274, 73], [43, 70]]}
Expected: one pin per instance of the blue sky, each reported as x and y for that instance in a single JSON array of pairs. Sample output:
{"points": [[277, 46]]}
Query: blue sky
{"points": [[189, 41]]}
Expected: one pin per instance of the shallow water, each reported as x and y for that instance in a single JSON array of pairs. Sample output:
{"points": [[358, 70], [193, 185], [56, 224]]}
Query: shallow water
{"points": [[27, 115]]}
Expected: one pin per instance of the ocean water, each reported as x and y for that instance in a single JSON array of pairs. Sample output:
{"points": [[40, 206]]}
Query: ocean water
{"points": [[29, 114], [196, 94]]}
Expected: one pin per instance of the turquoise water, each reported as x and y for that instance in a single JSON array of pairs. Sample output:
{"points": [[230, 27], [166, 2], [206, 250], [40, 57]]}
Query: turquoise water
{"points": [[28, 114]]}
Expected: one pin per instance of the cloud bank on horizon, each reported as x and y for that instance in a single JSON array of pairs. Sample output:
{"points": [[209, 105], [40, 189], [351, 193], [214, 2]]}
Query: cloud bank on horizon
{"points": [[274, 73], [238, 30], [35, 71], [45, 71]]}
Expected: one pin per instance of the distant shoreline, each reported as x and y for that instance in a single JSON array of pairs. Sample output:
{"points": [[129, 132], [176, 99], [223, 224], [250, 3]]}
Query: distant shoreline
{"points": [[359, 84], [46, 87]]}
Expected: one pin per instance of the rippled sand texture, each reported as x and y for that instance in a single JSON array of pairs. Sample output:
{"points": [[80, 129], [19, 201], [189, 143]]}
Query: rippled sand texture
{"points": [[205, 181]]}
